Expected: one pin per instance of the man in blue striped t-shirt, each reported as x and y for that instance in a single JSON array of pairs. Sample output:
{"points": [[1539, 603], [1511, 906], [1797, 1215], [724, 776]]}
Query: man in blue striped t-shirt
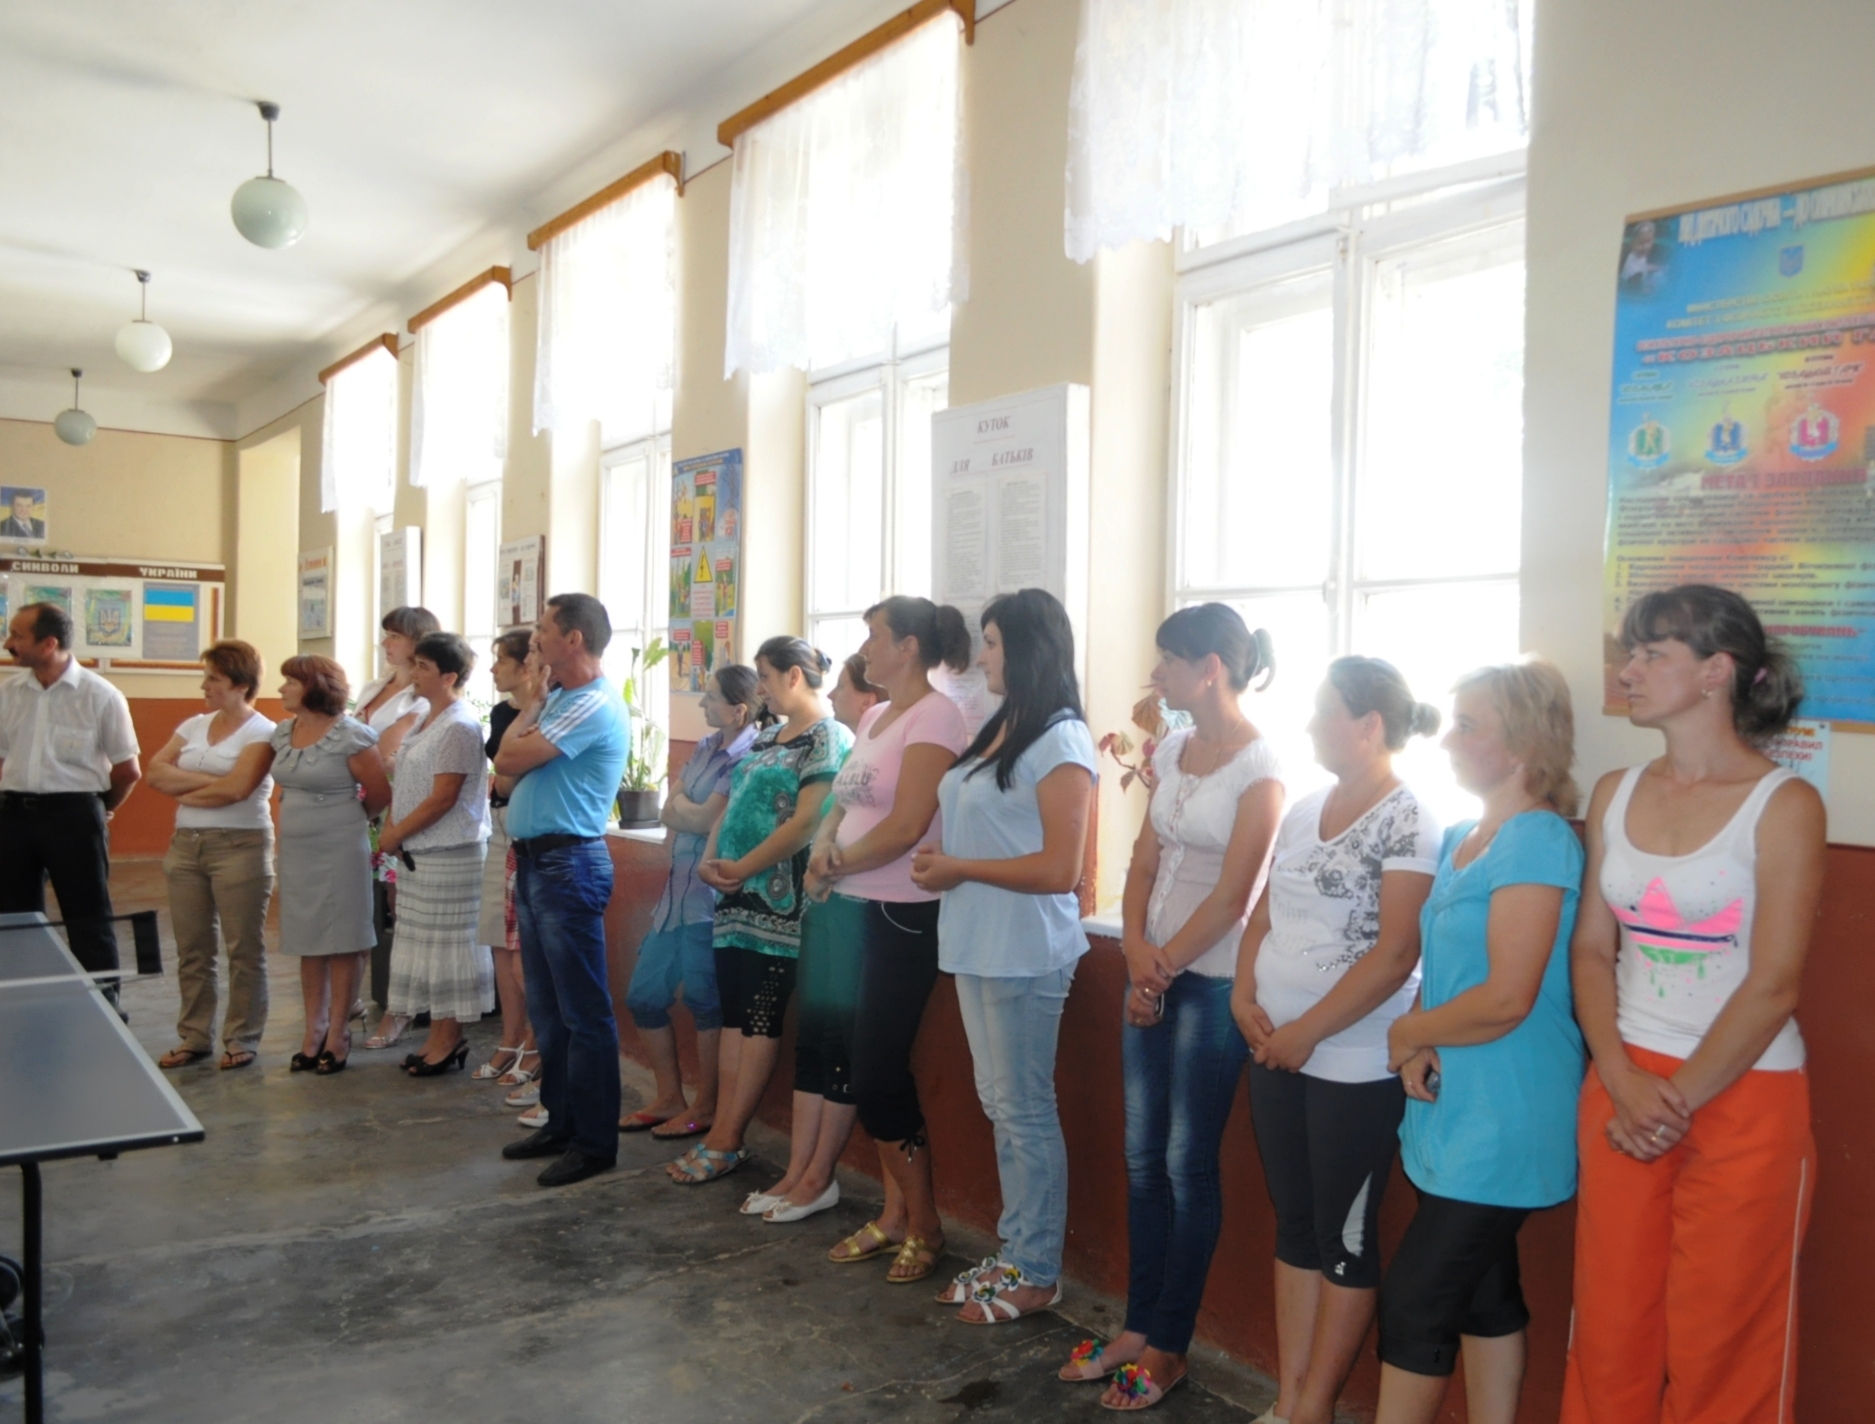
{"points": [[568, 750]]}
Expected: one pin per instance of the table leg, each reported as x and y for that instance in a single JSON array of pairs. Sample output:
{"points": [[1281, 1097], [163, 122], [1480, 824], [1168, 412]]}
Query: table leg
{"points": [[35, 1334]]}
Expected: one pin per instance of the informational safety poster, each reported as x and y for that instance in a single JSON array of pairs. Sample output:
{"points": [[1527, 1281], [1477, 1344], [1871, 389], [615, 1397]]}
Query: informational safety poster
{"points": [[706, 566], [125, 613], [315, 593], [520, 588], [1743, 429], [400, 568]]}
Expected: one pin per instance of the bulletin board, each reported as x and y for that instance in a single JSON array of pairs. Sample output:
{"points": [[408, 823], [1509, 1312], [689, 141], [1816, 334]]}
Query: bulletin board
{"points": [[126, 613]]}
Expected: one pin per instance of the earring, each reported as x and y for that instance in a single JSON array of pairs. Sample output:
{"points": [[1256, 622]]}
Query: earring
{"points": [[1706, 692]]}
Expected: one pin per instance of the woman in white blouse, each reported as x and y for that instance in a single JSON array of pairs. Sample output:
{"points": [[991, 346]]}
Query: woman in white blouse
{"points": [[437, 827], [391, 706], [1198, 863], [220, 862], [1330, 959]]}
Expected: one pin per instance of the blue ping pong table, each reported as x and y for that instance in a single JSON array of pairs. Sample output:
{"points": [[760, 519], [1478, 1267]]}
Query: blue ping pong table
{"points": [[79, 1086]]}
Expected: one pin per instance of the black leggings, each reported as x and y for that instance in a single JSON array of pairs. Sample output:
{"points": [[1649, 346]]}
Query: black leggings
{"points": [[753, 989], [1327, 1151], [1455, 1274], [867, 970]]}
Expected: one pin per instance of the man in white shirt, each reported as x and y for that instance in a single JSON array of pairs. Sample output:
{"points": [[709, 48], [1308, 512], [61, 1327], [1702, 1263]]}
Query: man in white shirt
{"points": [[68, 758]]}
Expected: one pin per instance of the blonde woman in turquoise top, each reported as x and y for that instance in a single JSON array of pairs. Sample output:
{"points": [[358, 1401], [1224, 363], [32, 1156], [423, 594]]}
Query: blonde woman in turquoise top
{"points": [[1491, 1057]]}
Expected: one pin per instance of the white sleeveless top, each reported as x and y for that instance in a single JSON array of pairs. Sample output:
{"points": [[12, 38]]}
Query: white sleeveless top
{"points": [[1686, 929], [1194, 817]]}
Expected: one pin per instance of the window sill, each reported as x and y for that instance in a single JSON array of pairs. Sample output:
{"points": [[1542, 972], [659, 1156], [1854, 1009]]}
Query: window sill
{"points": [[1105, 926]]}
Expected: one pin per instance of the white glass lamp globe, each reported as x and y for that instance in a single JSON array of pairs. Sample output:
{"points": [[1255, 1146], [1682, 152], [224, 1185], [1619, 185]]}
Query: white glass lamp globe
{"points": [[270, 212], [143, 345], [74, 426]]}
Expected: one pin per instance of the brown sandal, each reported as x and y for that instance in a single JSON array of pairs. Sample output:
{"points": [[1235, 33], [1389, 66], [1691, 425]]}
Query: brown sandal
{"points": [[857, 1248], [182, 1056], [236, 1058], [916, 1259]]}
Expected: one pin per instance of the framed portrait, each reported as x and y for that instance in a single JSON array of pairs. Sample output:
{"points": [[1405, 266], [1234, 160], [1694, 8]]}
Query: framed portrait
{"points": [[22, 513]]}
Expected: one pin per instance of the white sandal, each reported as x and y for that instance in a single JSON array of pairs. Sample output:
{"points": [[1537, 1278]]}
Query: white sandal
{"points": [[488, 1070], [991, 1298], [965, 1282], [515, 1075]]}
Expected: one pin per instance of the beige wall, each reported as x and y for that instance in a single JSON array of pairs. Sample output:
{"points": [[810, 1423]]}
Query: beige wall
{"points": [[130, 493], [1618, 131], [264, 589]]}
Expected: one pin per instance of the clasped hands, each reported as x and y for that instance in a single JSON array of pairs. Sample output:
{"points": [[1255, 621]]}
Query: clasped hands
{"points": [[1651, 1113], [725, 877], [1287, 1048], [825, 869]]}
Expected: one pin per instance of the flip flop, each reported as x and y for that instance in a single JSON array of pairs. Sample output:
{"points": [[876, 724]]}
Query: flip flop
{"points": [[859, 1248], [640, 1122], [691, 1128], [236, 1058], [1139, 1389], [182, 1056]]}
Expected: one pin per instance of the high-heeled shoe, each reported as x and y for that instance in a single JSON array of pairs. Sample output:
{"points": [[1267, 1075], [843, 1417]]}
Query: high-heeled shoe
{"points": [[458, 1057], [303, 1063], [329, 1063], [399, 1022]]}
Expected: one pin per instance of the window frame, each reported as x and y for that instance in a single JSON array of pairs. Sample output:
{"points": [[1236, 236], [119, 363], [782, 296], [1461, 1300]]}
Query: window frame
{"points": [[655, 451], [891, 377], [1478, 201]]}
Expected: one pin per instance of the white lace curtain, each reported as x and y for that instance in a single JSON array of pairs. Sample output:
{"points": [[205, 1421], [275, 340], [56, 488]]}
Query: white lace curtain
{"points": [[608, 317], [358, 457], [459, 416], [842, 211], [1245, 113]]}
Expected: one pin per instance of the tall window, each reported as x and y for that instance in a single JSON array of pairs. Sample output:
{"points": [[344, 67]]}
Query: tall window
{"points": [[1349, 454], [869, 491], [481, 551], [634, 558]]}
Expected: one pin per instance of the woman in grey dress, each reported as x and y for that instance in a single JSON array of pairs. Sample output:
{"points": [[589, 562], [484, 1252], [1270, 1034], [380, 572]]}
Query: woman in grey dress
{"points": [[332, 780]]}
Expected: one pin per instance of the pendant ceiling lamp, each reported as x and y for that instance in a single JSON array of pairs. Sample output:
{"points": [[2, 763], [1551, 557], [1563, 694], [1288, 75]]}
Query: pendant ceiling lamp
{"points": [[74, 426], [143, 345], [269, 211]]}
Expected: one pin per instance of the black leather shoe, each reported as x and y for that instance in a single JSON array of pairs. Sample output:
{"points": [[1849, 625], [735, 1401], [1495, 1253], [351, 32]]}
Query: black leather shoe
{"points": [[542, 1142], [575, 1166]]}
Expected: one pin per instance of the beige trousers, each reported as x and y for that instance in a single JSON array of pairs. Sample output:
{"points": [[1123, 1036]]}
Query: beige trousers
{"points": [[226, 876]]}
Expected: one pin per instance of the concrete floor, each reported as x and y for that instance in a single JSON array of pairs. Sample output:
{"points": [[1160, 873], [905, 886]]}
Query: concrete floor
{"points": [[354, 1248]]}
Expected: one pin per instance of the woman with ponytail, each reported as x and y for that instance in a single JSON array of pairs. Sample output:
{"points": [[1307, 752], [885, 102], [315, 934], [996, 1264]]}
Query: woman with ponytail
{"points": [[1329, 961], [1698, 1165], [1198, 863], [756, 861], [869, 949], [1014, 837]]}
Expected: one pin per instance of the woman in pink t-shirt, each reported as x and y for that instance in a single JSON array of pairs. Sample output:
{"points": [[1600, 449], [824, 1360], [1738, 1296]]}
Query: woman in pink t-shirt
{"points": [[869, 943]]}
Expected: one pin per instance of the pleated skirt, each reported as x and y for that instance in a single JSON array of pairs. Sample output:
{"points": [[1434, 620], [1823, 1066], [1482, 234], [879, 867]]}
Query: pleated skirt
{"points": [[437, 965]]}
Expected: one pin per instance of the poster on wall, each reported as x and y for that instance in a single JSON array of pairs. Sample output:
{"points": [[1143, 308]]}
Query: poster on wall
{"points": [[23, 509], [706, 566], [521, 586], [400, 568], [1010, 491], [1742, 434], [125, 613], [315, 593]]}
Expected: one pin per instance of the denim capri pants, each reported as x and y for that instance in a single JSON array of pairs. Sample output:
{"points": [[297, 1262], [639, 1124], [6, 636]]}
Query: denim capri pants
{"points": [[667, 958]]}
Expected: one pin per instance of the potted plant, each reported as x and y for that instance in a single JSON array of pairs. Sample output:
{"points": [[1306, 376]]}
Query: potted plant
{"points": [[645, 762]]}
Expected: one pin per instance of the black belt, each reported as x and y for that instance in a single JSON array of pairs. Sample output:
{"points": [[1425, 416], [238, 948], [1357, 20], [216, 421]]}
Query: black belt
{"points": [[540, 845], [45, 800]]}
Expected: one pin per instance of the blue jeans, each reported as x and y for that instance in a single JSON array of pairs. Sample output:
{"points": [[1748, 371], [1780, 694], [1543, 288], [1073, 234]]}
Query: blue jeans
{"points": [[667, 958], [1181, 1075], [559, 906], [1012, 1025]]}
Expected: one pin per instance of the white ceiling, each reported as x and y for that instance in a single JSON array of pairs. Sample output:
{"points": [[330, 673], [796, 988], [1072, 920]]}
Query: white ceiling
{"points": [[426, 136]]}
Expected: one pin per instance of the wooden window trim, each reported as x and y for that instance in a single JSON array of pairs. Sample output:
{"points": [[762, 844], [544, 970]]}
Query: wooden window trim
{"points": [[388, 341], [838, 63], [666, 162], [468, 289]]}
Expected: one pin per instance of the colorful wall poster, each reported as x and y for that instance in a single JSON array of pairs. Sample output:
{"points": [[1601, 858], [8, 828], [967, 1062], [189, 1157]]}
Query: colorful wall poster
{"points": [[520, 586], [172, 622], [109, 621], [59, 593], [315, 593], [1742, 433], [706, 566]]}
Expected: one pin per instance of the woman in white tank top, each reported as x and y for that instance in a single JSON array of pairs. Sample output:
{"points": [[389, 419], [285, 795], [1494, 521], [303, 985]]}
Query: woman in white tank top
{"points": [[1697, 1161]]}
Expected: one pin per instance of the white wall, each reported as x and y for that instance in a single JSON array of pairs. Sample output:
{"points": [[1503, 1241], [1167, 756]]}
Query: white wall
{"points": [[1643, 106]]}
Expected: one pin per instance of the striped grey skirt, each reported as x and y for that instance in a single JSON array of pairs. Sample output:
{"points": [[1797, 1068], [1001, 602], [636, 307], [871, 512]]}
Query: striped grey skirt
{"points": [[436, 965]]}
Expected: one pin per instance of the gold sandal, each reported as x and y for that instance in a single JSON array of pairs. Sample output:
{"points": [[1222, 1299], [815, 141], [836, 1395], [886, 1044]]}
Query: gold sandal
{"points": [[857, 1248], [916, 1254]]}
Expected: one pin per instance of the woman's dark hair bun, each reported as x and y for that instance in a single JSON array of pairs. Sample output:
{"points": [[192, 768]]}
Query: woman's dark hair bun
{"points": [[942, 634], [782, 652], [1195, 633], [1426, 720]]}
